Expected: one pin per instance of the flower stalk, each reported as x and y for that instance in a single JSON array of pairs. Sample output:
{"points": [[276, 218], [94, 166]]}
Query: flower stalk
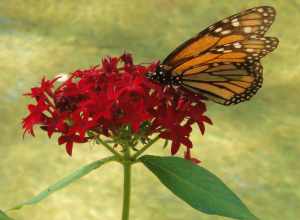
{"points": [[138, 153], [108, 147], [127, 163], [117, 106]]}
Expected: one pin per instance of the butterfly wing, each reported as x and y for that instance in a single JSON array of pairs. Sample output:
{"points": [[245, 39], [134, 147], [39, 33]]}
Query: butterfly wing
{"points": [[226, 83], [222, 62]]}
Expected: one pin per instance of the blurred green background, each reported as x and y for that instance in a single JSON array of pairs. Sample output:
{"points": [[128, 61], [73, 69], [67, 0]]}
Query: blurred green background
{"points": [[253, 147]]}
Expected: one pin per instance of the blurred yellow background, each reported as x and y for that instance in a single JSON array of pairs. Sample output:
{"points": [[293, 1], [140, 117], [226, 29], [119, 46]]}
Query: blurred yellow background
{"points": [[253, 147]]}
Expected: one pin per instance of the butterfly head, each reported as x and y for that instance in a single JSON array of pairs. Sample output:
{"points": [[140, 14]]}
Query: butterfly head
{"points": [[163, 76]]}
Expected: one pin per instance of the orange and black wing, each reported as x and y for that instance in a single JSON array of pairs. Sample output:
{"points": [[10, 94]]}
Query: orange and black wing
{"points": [[223, 61]]}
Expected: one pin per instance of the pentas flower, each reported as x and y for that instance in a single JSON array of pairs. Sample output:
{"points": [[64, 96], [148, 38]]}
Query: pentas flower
{"points": [[117, 101]]}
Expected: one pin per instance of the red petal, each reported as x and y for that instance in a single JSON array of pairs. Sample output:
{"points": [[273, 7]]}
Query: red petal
{"points": [[69, 148], [174, 147]]}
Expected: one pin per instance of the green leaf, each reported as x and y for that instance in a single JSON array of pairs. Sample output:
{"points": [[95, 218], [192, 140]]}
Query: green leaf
{"points": [[197, 186], [3, 216], [84, 170]]}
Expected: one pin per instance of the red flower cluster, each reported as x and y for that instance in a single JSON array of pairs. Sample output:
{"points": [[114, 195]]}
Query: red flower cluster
{"points": [[103, 99]]}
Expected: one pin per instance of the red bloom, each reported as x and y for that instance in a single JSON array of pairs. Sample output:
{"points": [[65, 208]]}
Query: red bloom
{"points": [[104, 99]]}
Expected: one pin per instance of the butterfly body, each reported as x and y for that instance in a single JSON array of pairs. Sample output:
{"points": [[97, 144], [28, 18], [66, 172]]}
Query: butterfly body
{"points": [[222, 63]]}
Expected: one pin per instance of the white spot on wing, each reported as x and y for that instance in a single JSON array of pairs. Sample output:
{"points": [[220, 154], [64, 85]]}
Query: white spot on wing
{"points": [[261, 10], [235, 24], [247, 29], [218, 29], [237, 45], [226, 32]]}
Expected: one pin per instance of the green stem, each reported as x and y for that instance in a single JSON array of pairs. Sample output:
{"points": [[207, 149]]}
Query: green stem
{"points": [[127, 184], [135, 156], [108, 147]]}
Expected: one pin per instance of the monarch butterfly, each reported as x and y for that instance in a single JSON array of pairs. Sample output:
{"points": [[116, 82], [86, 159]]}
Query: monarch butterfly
{"points": [[222, 63]]}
